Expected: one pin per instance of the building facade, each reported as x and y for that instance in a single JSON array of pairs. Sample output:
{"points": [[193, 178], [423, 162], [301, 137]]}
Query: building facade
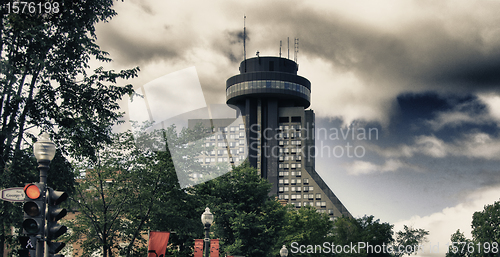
{"points": [[279, 131]]}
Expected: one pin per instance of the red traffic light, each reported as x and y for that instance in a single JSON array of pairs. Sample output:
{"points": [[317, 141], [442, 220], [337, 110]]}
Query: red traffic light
{"points": [[32, 191]]}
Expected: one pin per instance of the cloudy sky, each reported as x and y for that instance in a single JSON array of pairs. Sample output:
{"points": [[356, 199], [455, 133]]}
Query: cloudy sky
{"points": [[424, 74]]}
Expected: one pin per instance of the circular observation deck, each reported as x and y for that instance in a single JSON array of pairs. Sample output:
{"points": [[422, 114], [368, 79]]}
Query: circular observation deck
{"points": [[269, 77]]}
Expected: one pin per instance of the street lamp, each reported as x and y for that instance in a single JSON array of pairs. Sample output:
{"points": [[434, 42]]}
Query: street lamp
{"points": [[207, 218], [44, 150], [283, 251]]}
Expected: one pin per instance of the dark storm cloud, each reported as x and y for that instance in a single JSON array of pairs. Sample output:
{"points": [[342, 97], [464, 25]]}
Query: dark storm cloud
{"points": [[132, 50], [230, 44], [423, 54]]}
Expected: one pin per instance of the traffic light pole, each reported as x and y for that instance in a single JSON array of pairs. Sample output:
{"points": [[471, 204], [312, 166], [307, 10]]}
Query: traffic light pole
{"points": [[41, 244]]}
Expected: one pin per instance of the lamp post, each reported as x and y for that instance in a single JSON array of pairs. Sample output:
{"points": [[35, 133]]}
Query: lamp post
{"points": [[44, 150], [207, 218], [283, 251]]}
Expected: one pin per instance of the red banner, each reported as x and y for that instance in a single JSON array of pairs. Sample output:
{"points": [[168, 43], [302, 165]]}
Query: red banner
{"points": [[158, 242], [214, 248], [198, 248]]}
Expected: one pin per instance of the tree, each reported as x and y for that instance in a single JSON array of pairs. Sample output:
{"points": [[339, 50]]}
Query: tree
{"points": [[363, 232], [132, 189], [305, 226], [409, 239], [458, 247], [45, 84], [486, 230], [247, 220]]}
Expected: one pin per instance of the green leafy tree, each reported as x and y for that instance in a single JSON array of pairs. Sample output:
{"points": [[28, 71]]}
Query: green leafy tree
{"points": [[131, 189], [409, 239], [305, 226], [364, 232], [44, 83], [458, 247], [247, 220], [486, 230]]}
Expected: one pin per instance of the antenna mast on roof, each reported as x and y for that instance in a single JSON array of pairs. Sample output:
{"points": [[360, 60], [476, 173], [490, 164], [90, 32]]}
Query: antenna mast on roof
{"points": [[296, 48], [280, 48], [288, 40], [244, 39]]}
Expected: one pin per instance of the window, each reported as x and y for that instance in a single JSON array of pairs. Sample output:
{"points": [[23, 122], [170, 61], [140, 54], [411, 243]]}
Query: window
{"points": [[306, 181], [306, 189], [293, 165], [318, 196], [232, 129], [212, 152], [219, 159], [280, 189], [293, 197], [299, 196], [286, 189], [281, 142], [281, 158], [285, 173], [285, 197], [281, 174], [242, 126], [311, 188], [242, 134], [280, 181], [280, 166], [298, 204], [286, 181], [323, 204], [299, 181], [311, 196], [318, 204], [298, 189], [207, 160], [293, 181], [212, 159]]}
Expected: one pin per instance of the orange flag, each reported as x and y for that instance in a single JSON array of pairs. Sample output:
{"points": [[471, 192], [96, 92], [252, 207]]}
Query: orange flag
{"points": [[198, 248], [158, 241], [214, 248]]}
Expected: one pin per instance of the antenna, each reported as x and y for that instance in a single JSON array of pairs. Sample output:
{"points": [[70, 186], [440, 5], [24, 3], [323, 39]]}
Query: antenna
{"points": [[296, 48], [280, 48], [288, 39], [244, 39]]}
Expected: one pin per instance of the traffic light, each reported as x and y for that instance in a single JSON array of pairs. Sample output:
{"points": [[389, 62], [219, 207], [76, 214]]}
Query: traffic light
{"points": [[34, 209], [54, 213]]}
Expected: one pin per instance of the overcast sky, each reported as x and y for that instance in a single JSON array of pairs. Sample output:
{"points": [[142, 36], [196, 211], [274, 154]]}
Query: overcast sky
{"points": [[423, 74]]}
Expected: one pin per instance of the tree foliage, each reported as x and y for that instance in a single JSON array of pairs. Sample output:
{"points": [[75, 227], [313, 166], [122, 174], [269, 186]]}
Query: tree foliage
{"points": [[45, 84], [247, 220]]}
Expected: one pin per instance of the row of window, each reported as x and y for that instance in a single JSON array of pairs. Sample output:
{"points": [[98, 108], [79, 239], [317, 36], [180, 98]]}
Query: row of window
{"points": [[291, 142], [291, 127], [290, 165], [293, 173], [299, 196], [293, 181], [290, 158], [289, 135], [290, 150], [230, 128], [295, 189], [260, 84], [240, 150], [225, 144], [209, 160], [226, 136]]}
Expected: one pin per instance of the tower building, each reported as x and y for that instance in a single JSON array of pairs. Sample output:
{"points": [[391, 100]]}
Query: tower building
{"points": [[273, 100]]}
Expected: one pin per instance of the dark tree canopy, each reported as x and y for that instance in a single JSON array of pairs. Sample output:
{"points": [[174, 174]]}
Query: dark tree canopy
{"points": [[46, 84]]}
